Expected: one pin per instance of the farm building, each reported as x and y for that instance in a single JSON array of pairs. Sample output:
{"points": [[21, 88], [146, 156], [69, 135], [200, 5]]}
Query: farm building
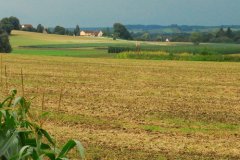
{"points": [[26, 26], [91, 33]]}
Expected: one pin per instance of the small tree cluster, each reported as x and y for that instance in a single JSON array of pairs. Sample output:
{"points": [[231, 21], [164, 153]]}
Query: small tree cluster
{"points": [[9, 24], [120, 31], [59, 30], [221, 36], [224, 36], [77, 31], [196, 38], [40, 28]]}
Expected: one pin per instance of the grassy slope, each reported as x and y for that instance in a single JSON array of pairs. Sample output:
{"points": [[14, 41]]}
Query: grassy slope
{"points": [[128, 109], [67, 45], [20, 38]]}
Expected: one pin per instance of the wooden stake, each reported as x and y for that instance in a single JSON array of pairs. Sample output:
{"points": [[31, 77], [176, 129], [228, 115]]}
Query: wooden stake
{"points": [[6, 78], [22, 83], [37, 90], [43, 99], [60, 99], [1, 69]]}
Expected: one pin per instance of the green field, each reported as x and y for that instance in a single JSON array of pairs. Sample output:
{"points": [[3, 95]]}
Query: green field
{"points": [[56, 45], [64, 52], [127, 108]]}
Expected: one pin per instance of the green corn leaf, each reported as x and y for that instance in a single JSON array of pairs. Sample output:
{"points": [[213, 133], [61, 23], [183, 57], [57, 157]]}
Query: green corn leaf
{"points": [[7, 99], [8, 143], [50, 154], [70, 145], [49, 138], [31, 142], [24, 152], [13, 92], [35, 155], [45, 146], [17, 101], [10, 121], [43, 115], [62, 159], [1, 115]]}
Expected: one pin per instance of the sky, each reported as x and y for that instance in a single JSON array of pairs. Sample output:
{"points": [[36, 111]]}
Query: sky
{"points": [[103, 13]]}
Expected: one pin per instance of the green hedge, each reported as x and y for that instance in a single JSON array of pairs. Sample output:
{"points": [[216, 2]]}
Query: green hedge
{"points": [[205, 49]]}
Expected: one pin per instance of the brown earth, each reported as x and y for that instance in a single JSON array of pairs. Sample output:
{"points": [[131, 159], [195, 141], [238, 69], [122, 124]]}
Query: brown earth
{"points": [[135, 109]]}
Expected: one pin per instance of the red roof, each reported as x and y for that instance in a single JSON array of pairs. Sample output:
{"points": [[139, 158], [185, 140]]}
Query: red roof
{"points": [[27, 26], [92, 32]]}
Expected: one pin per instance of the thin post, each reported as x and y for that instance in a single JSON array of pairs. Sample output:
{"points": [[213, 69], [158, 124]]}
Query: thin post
{"points": [[60, 99], [43, 100], [22, 82], [1, 68], [6, 77]]}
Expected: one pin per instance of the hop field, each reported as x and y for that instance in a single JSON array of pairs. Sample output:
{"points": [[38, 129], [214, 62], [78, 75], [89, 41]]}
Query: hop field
{"points": [[134, 109]]}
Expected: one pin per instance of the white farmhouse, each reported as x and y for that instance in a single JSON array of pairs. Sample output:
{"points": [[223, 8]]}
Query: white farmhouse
{"points": [[91, 33]]}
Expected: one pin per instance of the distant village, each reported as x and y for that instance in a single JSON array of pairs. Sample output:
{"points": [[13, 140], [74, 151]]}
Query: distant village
{"points": [[88, 33]]}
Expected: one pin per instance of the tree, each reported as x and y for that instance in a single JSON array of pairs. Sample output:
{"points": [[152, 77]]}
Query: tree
{"points": [[15, 22], [206, 37], [49, 30], [196, 38], [5, 46], [220, 33], [40, 28], [59, 30], [120, 31], [145, 36], [229, 33], [6, 25], [69, 32], [77, 31], [107, 32], [236, 37]]}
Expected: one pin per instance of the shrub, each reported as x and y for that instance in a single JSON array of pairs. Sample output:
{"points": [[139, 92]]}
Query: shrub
{"points": [[203, 49], [22, 138], [5, 46], [119, 49], [181, 56]]}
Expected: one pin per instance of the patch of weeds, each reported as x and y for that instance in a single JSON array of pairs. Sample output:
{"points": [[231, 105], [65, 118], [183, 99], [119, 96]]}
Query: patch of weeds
{"points": [[153, 128], [188, 126], [84, 119]]}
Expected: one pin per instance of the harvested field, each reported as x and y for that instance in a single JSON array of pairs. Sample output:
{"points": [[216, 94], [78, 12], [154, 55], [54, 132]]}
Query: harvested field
{"points": [[135, 109]]}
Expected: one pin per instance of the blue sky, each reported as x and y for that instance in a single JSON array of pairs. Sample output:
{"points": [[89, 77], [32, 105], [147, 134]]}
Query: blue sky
{"points": [[93, 13]]}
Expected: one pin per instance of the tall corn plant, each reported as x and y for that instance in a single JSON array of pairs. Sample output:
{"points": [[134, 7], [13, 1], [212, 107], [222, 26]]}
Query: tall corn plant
{"points": [[23, 139]]}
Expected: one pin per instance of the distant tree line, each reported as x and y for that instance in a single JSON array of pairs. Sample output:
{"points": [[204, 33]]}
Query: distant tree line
{"points": [[13, 23], [220, 36], [119, 31]]}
